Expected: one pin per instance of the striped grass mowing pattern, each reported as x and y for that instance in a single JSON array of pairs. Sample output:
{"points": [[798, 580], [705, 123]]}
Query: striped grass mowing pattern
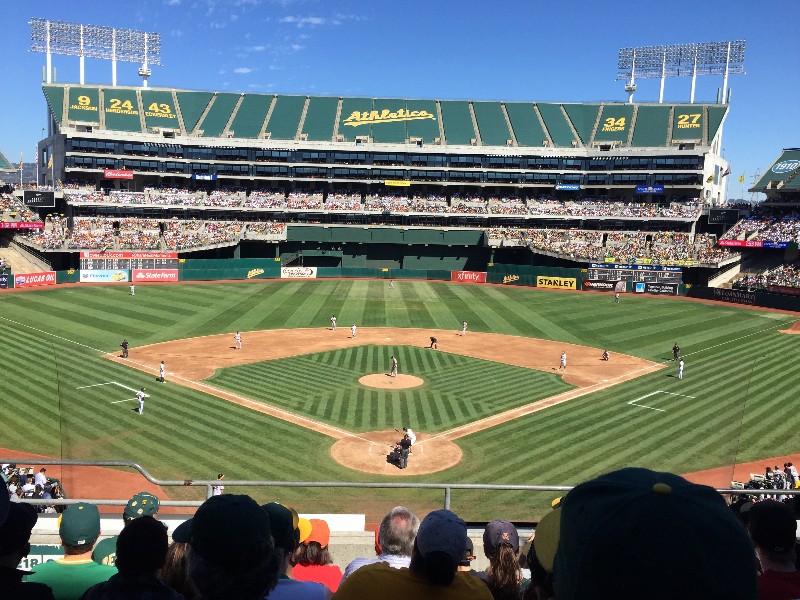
{"points": [[324, 386]]}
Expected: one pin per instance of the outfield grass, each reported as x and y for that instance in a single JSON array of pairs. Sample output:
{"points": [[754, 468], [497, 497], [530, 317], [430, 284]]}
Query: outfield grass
{"points": [[741, 373]]}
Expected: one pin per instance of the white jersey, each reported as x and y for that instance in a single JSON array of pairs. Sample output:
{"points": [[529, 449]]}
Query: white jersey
{"points": [[412, 436], [353, 330]]}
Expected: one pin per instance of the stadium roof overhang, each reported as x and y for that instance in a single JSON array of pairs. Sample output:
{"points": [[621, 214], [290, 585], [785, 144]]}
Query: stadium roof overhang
{"points": [[783, 175]]}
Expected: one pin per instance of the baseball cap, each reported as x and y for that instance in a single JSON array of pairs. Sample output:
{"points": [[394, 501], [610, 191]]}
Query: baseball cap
{"points": [[320, 532], [772, 526], [143, 504], [545, 540], [304, 525], [283, 522], [635, 532], [16, 530], [469, 554], [442, 531], [498, 532], [79, 524], [230, 530]]}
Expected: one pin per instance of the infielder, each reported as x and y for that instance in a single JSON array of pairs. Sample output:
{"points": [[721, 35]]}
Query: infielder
{"points": [[140, 397], [133, 290], [393, 372], [161, 372], [353, 330], [333, 322], [563, 361], [463, 328], [680, 369], [238, 339]]}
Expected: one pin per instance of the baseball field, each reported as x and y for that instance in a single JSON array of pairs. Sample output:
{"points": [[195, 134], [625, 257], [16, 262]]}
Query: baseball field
{"points": [[300, 402]]}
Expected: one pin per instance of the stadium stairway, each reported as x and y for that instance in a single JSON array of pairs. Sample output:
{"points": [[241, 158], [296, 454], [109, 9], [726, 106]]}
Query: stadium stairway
{"points": [[19, 261]]}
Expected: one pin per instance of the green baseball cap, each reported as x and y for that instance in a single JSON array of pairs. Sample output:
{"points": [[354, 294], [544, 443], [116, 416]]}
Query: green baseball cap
{"points": [[79, 524], [143, 504]]}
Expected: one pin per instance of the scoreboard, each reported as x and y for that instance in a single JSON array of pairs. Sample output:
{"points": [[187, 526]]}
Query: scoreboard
{"points": [[634, 273], [128, 260]]}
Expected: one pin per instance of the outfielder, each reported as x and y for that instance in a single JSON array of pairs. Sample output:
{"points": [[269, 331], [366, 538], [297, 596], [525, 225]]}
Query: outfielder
{"points": [[133, 290]]}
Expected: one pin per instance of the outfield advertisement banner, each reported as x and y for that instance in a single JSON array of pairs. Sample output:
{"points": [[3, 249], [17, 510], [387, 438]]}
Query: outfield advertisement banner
{"points": [[600, 285], [468, 276], [4, 281], [737, 296], [161, 275], [33, 279], [103, 276], [666, 289], [783, 289], [298, 272], [556, 283]]}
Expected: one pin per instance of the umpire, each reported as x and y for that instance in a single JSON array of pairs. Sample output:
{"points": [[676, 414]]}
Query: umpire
{"points": [[124, 346]]}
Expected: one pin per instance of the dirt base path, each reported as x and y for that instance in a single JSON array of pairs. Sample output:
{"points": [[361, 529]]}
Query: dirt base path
{"points": [[191, 360]]}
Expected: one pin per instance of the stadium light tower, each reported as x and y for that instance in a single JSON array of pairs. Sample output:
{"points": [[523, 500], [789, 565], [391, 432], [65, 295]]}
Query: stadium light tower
{"points": [[680, 60], [95, 41]]}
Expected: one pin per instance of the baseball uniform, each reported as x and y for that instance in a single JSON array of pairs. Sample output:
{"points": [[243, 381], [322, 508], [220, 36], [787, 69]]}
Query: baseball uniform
{"points": [[140, 397]]}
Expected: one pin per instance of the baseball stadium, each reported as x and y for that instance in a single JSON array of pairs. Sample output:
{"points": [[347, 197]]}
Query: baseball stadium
{"points": [[530, 266]]}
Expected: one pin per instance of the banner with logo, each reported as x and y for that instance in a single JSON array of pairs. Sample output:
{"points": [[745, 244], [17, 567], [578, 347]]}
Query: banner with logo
{"points": [[556, 283], [40, 198], [737, 296], [117, 174], [650, 189], [159, 275], [298, 272], [34, 279], [468, 276], [125, 254], [784, 289], [664, 289], [21, 225], [4, 281], [600, 285], [103, 275]]}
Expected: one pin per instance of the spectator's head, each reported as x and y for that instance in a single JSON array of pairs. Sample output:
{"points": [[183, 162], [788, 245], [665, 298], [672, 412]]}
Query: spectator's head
{"points": [[397, 531], [439, 547], [143, 504], [79, 528], [15, 532], [501, 546], [542, 553], [468, 557], [637, 533], [232, 552], [773, 528], [313, 548], [283, 522], [142, 547]]}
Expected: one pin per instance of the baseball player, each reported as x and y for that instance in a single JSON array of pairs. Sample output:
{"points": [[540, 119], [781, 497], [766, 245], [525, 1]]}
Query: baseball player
{"points": [[124, 346], [391, 283], [616, 297], [433, 343], [680, 369], [217, 490], [161, 372], [463, 328], [140, 397], [353, 330], [238, 339], [333, 322], [393, 372], [411, 435], [605, 355], [563, 360], [133, 290]]}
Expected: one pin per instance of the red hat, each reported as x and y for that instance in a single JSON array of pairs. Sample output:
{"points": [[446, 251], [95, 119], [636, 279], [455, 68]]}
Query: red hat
{"points": [[320, 532]]}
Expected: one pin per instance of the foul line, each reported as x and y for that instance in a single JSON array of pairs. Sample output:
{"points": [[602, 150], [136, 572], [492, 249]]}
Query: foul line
{"points": [[635, 400], [118, 384], [52, 335]]}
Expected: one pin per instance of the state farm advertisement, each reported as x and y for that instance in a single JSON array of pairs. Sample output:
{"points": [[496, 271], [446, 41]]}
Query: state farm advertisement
{"points": [[34, 279], [149, 275], [468, 276], [298, 272]]}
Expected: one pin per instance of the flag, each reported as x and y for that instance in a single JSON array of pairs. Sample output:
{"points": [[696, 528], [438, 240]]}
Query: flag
{"points": [[726, 173], [741, 178], [20, 161], [50, 162], [710, 179]]}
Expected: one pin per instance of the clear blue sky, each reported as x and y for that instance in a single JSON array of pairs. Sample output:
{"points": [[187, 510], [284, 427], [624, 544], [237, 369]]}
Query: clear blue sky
{"points": [[506, 50]]}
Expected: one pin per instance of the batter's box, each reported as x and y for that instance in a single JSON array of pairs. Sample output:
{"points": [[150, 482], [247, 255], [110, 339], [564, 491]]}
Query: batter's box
{"points": [[635, 400], [118, 384]]}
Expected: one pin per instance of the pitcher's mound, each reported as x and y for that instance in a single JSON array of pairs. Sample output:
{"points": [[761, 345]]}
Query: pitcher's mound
{"points": [[367, 453], [384, 382]]}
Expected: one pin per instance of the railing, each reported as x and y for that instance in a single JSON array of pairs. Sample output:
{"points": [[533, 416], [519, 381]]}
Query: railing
{"points": [[447, 488]]}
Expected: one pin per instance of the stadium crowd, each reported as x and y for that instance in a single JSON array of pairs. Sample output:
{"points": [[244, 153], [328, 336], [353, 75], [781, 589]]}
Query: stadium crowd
{"points": [[629, 534], [787, 275], [23, 483], [767, 224]]}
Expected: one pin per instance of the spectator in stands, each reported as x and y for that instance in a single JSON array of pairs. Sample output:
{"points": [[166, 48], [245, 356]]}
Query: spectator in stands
{"points": [[40, 478], [143, 504], [232, 554], [175, 572], [635, 534], [141, 551], [15, 535], [464, 565], [312, 560], [772, 527], [71, 576], [432, 574], [286, 533], [541, 554], [396, 535], [501, 546]]}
